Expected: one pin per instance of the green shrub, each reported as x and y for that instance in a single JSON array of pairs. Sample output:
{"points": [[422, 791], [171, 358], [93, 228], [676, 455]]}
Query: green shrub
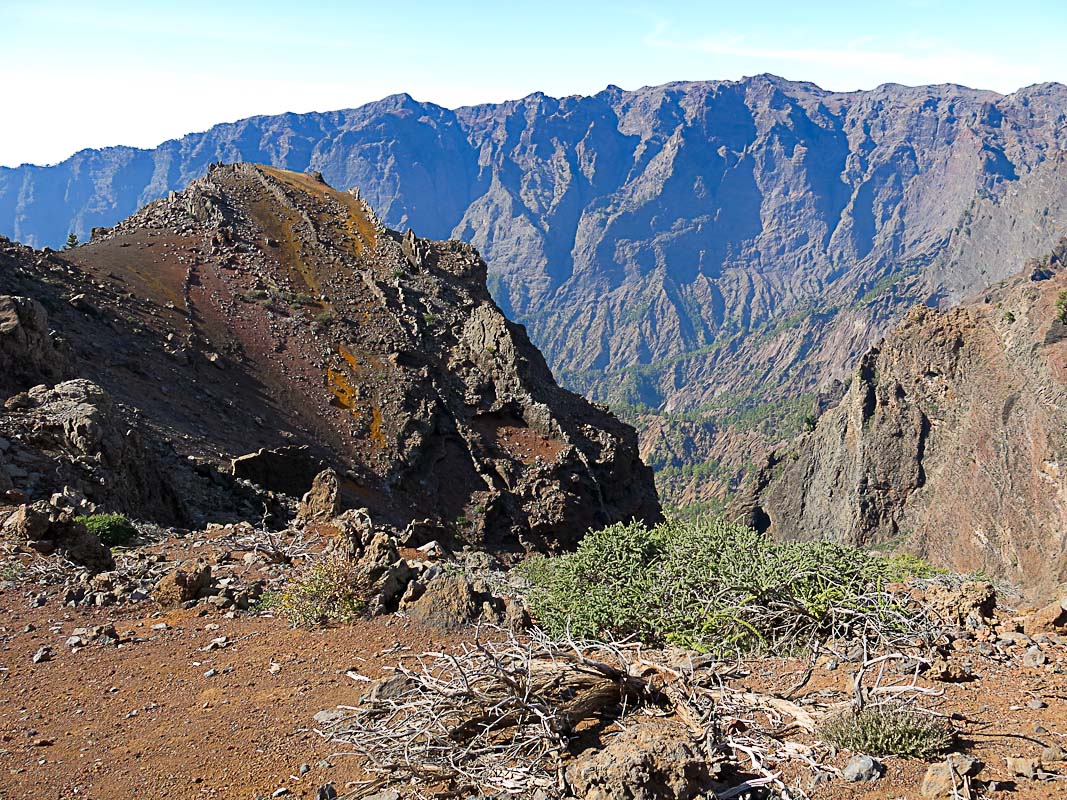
{"points": [[710, 585], [1061, 307], [326, 591], [114, 530], [892, 731], [901, 566]]}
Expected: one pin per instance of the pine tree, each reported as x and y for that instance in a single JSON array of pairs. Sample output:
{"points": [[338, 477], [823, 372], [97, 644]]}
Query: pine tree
{"points": [[72, 241]]}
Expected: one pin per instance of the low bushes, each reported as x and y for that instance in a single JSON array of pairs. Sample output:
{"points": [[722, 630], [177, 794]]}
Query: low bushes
{"points": [[113, 530], [889, 731], [325, 592], [715, 586]]}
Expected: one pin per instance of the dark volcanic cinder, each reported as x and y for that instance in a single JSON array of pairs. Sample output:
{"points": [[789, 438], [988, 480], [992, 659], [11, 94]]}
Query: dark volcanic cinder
{"points": [[262, 308]]}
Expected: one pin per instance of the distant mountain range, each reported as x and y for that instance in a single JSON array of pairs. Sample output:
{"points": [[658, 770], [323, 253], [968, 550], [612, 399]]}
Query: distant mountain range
{"points": [[709, 257]]}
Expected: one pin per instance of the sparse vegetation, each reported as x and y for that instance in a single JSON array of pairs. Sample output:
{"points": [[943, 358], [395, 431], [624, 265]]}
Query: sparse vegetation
{"points": [[714, 586], [325, 592], [1009, 317], [72, 241], [114, 530], [431, 319], [888, 730], [1061, 307]]}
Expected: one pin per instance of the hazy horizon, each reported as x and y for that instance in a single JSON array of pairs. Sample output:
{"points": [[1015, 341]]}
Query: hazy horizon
{"points": [[134, 76]]}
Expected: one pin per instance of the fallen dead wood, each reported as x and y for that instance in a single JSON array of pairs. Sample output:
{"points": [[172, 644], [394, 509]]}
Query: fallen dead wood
{"points": [[498, 717]]}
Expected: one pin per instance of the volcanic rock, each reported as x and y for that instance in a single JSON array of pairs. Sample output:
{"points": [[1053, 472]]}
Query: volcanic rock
{"points": [[382, 354], [322, 502], [951, 443]]}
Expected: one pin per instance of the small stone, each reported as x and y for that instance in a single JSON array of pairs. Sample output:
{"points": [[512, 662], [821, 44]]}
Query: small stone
{"points": [[43, 654], [1035, 657], [282, 792], [1037, 703], [329, 716], [326, 792], [1053, 754], [1024, 767], [211, 673], [862, 768], [304, 769]]}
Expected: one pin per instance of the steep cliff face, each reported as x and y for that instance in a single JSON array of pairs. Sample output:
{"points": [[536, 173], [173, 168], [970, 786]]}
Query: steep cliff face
{"points": [[262, 308], [951, 441], [702, 248]]}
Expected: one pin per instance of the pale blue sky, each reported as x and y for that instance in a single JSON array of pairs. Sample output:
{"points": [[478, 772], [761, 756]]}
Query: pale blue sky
{"points": [[91, 74]]}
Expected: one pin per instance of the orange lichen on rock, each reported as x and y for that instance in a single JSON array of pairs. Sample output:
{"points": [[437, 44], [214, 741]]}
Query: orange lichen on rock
{"points": [[343, 390], [376, 435]]}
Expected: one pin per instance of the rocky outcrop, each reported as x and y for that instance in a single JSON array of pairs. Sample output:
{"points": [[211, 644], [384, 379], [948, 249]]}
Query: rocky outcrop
{"points": [[950, 442], [266, 325], [51, 528], [704, 249], [322, 502], [28, 353], [74, 435]]}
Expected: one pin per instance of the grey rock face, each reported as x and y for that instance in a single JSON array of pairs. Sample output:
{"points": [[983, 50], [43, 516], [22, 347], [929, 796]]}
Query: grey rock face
{"points": [[667, 245], [740, 236], [949, 443]]}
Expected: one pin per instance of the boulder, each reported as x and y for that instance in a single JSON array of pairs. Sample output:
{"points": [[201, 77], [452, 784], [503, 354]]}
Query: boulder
{"points": [[649, 760], [28, 355], [1048, 619], [322, 502], [42, 527], [182, 585], [951, 778], [447, 602]]}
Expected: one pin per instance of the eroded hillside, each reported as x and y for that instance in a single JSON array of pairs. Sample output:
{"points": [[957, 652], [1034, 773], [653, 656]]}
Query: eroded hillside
{"points": [[950, 442], [262, 308]]}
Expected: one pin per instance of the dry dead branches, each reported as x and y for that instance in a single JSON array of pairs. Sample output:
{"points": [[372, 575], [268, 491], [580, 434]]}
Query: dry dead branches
{"points": [[499, 716]]}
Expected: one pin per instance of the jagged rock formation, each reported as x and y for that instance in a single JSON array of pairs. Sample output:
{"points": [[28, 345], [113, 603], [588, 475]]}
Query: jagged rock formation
{"points": [[951, 441], [262, 309], [708, 247]]}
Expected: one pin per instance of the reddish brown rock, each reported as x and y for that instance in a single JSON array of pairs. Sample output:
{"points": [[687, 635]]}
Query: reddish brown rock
{"points": [[182, 585]]}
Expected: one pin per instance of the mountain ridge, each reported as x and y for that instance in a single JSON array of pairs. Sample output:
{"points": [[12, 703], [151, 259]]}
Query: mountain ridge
{"points": [[262, 310], [698, 249]]}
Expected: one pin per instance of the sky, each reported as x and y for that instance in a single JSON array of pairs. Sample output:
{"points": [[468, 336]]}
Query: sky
{"points": [[94, 74]]}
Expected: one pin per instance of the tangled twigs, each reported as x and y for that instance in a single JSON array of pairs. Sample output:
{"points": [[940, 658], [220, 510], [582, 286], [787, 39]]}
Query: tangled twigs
{"points": [[498, 716]]}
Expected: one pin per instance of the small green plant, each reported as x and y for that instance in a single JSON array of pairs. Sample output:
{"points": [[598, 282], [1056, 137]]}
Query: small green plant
{"points": [[11, 570], [888, 731], [324, 318], [902, 566], [72, 241], [1061, 307], [268, 601], [114, 530], [327, 591], [431, 319], [1009, 317]]}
